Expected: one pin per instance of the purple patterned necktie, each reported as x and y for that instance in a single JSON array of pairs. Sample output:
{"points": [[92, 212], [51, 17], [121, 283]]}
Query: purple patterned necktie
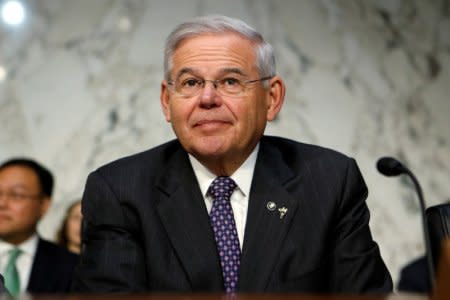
{"points": [[225, 233]]}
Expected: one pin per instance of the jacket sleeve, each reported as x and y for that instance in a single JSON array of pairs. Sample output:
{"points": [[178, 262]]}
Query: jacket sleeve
{"points": [[357, 264], [112, 258]]}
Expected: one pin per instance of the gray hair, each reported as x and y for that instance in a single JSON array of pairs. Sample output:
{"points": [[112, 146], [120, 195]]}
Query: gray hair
{"points": [[265, 58]]}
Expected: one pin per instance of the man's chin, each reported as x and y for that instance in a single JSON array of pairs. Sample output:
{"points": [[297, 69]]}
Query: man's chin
{"points": [[214, 147], [5, 236], [208, 154]]}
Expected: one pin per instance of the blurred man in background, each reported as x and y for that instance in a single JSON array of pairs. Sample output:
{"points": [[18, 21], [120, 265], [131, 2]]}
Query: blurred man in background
{"points": [[28, 262]]}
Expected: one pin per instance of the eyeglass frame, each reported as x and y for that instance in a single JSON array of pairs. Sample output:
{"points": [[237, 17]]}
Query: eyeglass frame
{"points": [[216, 82]]}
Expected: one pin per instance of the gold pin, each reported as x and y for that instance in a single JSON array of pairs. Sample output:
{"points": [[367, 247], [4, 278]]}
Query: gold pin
{"points": [[282, 212]]}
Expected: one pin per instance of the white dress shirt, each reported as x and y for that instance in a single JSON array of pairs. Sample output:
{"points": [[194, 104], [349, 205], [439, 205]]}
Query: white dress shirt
{"points": [[239, 199], [25, 260]]}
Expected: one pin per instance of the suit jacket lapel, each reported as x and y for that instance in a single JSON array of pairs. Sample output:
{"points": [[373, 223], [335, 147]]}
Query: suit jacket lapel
{"points": [[183, 213], [37, 281], [267, 224]]}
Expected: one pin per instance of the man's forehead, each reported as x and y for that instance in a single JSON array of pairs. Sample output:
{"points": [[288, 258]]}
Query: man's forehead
{"points": [[207, 44], [18, 173]]}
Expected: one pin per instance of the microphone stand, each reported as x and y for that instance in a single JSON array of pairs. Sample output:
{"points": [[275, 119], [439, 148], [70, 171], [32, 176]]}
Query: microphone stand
{"points": [[389, 166], [424, 225]]}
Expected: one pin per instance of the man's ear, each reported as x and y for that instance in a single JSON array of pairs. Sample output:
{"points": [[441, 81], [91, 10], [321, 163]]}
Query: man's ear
{"points": [[165, 99], [45, 204], [275, 101]]}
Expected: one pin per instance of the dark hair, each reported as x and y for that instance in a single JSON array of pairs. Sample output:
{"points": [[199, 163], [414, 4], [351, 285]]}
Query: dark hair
{"points": [[61, 236], [44, 175]]}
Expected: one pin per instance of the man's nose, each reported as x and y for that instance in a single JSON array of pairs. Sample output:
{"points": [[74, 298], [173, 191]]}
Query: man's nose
{"points": [[209, 96]]}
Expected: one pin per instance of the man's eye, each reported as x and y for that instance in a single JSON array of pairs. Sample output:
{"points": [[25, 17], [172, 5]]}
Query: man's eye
{"points": [[230, 81], [191, 82], [17, 196]]}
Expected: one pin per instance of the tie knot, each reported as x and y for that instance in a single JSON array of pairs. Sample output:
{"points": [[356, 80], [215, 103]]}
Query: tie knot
{"points": [[222, 186]]}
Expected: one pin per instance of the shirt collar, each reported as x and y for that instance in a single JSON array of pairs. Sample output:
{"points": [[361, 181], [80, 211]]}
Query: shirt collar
{"points": [[242, 176], [28, 247]]}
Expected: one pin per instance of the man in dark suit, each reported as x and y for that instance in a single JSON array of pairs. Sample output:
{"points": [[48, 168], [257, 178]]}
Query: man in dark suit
{"points": [[29, 263], [224, 208]]}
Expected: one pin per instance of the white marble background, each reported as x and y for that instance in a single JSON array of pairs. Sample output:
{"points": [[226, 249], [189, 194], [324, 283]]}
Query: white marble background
{"points": [[368, 78]]}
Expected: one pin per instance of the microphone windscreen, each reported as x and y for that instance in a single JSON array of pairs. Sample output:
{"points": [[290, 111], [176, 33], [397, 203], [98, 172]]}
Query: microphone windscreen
{"points": [[389, 166]]}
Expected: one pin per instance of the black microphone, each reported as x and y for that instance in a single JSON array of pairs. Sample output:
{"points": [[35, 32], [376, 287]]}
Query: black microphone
{"points": [[389, 166]]}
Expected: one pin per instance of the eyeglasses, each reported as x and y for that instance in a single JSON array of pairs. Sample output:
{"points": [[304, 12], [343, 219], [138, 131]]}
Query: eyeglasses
{"points": [[17, 196], [227, 86]]}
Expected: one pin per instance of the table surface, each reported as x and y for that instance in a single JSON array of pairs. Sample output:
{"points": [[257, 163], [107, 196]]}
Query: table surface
{"points": [[398, 296]]}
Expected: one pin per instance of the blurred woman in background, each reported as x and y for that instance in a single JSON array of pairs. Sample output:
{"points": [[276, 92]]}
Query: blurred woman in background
{"points": [[69, 234]]}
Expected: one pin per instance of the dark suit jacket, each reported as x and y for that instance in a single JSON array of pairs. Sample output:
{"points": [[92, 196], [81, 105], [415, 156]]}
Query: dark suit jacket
{"points": [[414, 277], [52, 269], [146, 226]]}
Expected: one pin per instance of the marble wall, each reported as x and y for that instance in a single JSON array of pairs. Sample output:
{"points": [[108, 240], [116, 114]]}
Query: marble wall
{"points": [[368, 78]]}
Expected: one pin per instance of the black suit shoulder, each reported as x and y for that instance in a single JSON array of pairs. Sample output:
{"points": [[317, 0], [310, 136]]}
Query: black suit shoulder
{"points": [[302, 156], [298, 151], [147, 160], [128, 182]]}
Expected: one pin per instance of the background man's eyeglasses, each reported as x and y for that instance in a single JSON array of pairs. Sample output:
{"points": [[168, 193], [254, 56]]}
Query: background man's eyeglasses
{"points": [[17, 196]]}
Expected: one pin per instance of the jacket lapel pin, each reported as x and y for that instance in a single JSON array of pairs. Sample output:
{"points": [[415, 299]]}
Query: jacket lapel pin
{"points": [[271, 205], [282, 212]]}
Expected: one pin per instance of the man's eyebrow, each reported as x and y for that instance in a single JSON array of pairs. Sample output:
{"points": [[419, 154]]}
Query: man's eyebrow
{"points": [[184, 71], [233, 70], [17, 186]]}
